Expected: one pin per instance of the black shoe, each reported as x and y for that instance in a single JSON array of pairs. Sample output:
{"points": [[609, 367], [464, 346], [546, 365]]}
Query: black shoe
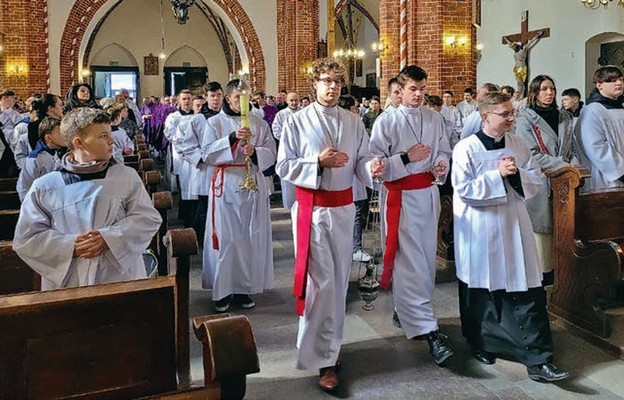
{"points": [[548, 278], [244, 300], [484, 357], [223, 304], [395, 319], [546, 372], [439, 347]]}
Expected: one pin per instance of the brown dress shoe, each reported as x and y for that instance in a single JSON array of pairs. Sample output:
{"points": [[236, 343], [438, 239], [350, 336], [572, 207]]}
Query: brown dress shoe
{"points": [[328, 379]]}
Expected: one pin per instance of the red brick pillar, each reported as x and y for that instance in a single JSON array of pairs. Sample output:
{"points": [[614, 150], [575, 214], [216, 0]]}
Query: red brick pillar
{"points": [[430, 22], [23, 63], [389, 32], [297, 42]]}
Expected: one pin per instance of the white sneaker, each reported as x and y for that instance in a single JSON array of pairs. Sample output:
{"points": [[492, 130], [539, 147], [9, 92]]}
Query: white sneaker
{"points": [[361, 256]]}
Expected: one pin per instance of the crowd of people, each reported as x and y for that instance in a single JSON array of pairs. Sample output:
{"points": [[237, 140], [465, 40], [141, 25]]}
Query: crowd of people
{"points": [[85, 218]]}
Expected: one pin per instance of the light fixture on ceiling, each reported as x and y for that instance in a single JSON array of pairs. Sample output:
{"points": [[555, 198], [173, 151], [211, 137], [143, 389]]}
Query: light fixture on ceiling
{"points": [[379, 47], [162, 54], [594, 4], [181, 10]]}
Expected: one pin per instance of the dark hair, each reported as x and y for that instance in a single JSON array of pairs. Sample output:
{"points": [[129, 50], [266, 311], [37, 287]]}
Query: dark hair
{"points": [[607, 73], [305, 98], [572, 92], [261, 94], [411, 72], [7, 93], [448, 92], [213, 86], [435, 101], [374, 98], [508, 89], [492, 99], [41, 104], [72, 98], [469, 90], [534, 89], [391, 82], [346, 101], [47, 125], [490, 87]]}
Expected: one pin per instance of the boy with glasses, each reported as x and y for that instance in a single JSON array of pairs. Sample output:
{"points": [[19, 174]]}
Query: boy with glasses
{"points": [[502, 302], [323, 147]]}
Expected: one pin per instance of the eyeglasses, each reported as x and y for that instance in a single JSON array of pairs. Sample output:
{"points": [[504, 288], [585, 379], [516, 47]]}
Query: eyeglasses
{"points": [[507, 114], [329, 81]]}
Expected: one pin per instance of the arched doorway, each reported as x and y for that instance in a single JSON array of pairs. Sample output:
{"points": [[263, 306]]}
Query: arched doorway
{"points": [[603, 49], [185, 69], [114, 68], [85, 14]]}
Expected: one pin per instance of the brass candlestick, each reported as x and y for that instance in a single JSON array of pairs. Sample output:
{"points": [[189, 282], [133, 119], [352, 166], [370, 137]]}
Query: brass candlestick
{"points": [[249, 183]]}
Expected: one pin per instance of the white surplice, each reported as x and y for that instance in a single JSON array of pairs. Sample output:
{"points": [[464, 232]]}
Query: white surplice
{"points": [[471, 125], [288, 190], [197, 174], [600, 135], [394, 133], [304, 136], [187, 144], [494, 244], [174, 160], [34, 168], [54, 213], [9, 118], [243, 264]]}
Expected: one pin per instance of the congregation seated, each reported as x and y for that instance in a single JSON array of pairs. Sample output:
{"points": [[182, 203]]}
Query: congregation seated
{"points": [[90, 222]]}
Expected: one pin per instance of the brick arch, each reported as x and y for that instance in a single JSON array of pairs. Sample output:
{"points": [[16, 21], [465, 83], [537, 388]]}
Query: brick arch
{"points": [[82, 14]]}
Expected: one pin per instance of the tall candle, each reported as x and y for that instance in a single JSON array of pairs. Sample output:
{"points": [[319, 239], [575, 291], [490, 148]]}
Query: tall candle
{"points": [[244, 109]]}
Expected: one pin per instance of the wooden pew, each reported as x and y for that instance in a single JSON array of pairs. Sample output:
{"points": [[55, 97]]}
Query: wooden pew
{"points": [[8, 220], [163, 202], [15, 275], [8, 183], [445, 253], [587, 257], [120, 340]]}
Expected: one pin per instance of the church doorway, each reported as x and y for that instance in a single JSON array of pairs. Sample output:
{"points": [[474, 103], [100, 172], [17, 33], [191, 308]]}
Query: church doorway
{"points": [[108, 81], [179, 78]]}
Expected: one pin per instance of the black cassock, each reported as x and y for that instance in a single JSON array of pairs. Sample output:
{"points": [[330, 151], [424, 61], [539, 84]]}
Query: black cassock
{"points": [[512, 324]]}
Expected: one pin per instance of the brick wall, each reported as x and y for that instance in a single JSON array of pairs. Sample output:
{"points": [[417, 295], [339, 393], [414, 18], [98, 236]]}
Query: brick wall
{"points": [[297, 42], [430, 22], [389, 35], [23, 24]]}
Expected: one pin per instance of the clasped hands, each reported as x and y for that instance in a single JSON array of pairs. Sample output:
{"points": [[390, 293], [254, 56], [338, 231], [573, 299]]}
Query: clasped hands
{"points": [[507, 166], [89, 245], [245, 134], [331, 157]]}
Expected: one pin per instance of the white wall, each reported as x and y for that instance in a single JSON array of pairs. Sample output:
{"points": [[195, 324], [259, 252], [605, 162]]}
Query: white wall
{"points": [[262, 14], [562, 55], [143, 38]]}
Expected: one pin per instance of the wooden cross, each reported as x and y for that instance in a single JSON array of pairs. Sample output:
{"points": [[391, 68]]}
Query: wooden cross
{"points": [[525, 35]]}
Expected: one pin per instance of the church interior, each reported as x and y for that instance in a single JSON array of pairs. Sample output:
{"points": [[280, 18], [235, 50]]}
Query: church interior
{"points": [[156, 48]]}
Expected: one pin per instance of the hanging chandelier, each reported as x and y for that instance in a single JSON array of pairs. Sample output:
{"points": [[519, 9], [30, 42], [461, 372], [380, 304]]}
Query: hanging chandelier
{"points": [[594, 4]]}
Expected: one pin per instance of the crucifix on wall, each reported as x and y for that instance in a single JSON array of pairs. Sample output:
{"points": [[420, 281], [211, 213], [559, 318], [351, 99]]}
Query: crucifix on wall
{"points": [[521, 43]]}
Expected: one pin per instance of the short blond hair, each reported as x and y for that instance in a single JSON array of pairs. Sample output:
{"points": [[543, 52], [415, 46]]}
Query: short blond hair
{"points": [[78, 120]]}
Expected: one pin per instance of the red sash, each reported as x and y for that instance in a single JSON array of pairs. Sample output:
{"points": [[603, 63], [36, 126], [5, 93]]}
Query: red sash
{"points": [[307, 199], [393, 213], [217, 191]]}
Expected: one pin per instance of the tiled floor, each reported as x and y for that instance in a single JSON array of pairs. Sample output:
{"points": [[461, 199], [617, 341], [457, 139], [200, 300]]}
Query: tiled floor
{"points": [[379, 363]]}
